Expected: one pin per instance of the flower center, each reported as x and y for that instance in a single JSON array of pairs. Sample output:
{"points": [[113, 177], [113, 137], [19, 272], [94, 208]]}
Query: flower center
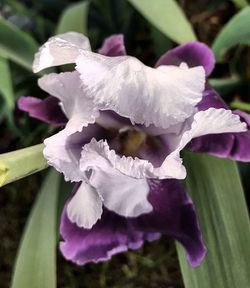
{"points": [[130, 141]]}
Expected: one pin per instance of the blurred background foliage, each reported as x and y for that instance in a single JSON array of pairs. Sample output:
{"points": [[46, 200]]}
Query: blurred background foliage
{"points": [[24, 25]]}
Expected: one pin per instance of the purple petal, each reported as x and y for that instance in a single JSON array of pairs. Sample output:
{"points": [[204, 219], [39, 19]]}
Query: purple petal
{"points": [[47, 110], [193, 53], [111, 235], [218, 145], [113, 46], [210, 99], [241, 151], [173, 215], [234, 146], [240, 148]]}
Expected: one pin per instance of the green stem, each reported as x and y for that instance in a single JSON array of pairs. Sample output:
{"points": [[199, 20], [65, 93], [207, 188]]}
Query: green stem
{"points": [[21, 163]]}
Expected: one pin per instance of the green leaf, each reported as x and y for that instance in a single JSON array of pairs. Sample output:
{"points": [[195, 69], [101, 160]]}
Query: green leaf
{"points": [[6, 88], [225, 86], [74, 18], [215, 187], [36, 260], [236, 31], [168, 17], [241, 3], [21, 163], [40, 23], [240, 105], [17, 45], [65, 192], [161, 42]]}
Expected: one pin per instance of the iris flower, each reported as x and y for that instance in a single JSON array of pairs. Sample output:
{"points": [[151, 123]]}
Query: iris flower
{"points": [[124, 126]]}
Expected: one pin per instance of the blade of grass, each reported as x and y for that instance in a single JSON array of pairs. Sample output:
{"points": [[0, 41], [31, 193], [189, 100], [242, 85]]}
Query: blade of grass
{"points": [[225, 86], [168, 17], [17, 45], [241, 3], [236, 31], [36, 260], [6, 87], [74, 18], [215, 187], [240, 105]]}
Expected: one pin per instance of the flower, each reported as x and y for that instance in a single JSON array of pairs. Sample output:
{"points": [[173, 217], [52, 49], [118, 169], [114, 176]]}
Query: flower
{"points": [[126, 125]]}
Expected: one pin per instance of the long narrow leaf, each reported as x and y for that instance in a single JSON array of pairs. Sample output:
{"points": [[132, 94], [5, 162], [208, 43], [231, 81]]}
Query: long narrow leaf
{"points": [[21, 163], [236, 31], [225, 86], [163, 14], [215, 187], [17, 45], [74, 18], [36, 261], [240, 105], [6, 88], [241, 3]]}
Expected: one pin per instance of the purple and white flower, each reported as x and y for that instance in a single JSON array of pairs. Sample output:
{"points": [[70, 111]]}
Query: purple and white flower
{"points": [[125, 125]]}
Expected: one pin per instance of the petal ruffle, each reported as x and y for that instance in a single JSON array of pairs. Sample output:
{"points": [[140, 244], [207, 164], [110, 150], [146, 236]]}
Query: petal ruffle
{"points": [[113, 46], [192, 53], [98, 155], [60, 49], [173, 215], [122, 194], [64, 152], [234, 146], [111, 235], [47, 110], [211, 121], [163, 97]]}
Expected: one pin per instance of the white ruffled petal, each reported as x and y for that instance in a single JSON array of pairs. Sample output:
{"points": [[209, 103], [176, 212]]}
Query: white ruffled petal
{"points": [[80, 110], [211, 121], [85, 208], [125, 195], [97, 155], [163, 97], [63, 152], [64, 156], [60, 49], [122, 194]]}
